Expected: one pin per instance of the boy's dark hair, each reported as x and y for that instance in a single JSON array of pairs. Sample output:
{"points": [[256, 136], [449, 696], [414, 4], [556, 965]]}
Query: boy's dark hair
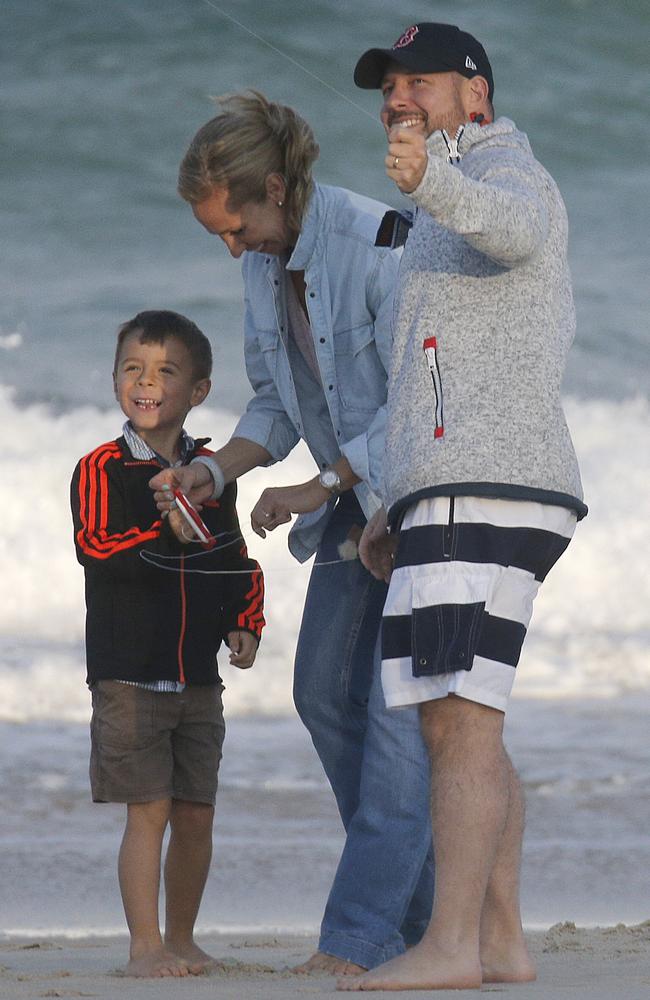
{"points": [[155, 326]]}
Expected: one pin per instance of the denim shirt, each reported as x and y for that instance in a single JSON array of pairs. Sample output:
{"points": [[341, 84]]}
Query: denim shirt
{"points": [[349, 296]]}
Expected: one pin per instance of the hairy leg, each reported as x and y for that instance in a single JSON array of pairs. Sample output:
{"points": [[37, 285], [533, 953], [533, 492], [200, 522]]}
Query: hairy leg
{"points": [[139, 877], [186, 869], [469, 806], [504, 954]]}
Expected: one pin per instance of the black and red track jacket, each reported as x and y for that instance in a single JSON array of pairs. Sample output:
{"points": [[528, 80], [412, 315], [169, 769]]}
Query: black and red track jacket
{"points": [[150, 615]]}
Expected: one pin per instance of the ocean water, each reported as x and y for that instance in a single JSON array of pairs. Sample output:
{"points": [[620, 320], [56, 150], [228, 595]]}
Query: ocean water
{"points": [[99, 102]]}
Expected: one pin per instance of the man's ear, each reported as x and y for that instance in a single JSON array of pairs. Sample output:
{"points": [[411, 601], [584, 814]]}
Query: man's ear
{"points": [[276, 188], [200, 391], [476, 95]]}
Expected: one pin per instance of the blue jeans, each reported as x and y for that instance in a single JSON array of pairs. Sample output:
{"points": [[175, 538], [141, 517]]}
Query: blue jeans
{"points": [[375, 760]]}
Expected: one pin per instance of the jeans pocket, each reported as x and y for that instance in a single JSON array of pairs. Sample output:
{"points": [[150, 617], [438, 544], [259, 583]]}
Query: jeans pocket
{"points": [[444, 638]]}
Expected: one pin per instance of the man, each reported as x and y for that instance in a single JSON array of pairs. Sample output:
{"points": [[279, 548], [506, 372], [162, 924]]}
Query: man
{"points": [[481, 480]]}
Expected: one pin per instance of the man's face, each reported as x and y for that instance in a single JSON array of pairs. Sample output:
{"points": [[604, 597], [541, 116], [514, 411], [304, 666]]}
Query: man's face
{"points": [[424, 101]]}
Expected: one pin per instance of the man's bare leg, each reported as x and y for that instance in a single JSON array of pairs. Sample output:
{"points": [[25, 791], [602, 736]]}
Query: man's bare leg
{"points": [[320, 962], [186, 869], [139, 877], [469, 805], [504, 954]]}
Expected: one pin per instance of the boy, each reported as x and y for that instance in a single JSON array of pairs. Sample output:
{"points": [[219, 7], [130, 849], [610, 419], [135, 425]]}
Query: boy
{"points": [[153, 629]]}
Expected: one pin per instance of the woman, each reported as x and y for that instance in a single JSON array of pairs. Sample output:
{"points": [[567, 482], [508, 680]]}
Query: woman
{"points": [[317, 344]]}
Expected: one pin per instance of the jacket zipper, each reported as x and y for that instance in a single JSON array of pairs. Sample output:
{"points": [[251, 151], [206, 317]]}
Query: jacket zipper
{"points": [[430, 347], [453, 155], [181, 637]]}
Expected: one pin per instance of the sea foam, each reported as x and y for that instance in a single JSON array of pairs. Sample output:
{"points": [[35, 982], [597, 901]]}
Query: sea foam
{"points": [[590, 626]]}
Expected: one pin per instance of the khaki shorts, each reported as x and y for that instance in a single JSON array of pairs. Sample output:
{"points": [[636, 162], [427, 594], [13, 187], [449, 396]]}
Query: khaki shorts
{"points": [[150, 745]]}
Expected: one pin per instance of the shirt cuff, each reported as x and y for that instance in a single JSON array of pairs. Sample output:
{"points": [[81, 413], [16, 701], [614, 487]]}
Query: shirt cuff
{"points": [[215, 471]]}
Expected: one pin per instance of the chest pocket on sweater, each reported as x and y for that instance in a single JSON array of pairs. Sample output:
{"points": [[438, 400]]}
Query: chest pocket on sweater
{"points": [[430, 348]]}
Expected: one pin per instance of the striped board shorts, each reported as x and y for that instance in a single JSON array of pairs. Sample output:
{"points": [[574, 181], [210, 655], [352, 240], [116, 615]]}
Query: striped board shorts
{"points": [[460, 599]]}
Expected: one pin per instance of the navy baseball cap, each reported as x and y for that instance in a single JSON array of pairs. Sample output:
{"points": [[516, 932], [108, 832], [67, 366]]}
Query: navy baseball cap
{"points": [[427, 48]]}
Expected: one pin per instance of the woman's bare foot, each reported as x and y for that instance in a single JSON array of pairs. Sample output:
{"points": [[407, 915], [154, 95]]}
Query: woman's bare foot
{"points": [[158, 964], [329, 965], [421, 968], [197, 960]]}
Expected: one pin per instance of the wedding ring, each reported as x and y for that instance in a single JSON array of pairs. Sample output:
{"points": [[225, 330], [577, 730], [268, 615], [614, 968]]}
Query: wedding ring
{"points": [[396, 163]]}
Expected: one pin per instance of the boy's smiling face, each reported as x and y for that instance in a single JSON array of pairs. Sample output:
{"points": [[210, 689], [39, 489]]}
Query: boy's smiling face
{"points": [[156, 386]]}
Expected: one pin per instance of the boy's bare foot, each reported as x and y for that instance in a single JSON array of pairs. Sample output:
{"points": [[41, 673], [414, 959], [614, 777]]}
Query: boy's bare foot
{"points": [[423, 967], [159, 964], [196, 959], [329, 964]]}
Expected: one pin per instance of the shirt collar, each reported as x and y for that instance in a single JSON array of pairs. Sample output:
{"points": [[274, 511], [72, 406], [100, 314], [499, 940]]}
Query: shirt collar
{"points": [[141, 450]]}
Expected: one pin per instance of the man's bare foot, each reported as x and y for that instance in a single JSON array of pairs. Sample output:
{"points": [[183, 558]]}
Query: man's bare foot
{"points": [[159, 964], [423, 967], [503, 963], [197, 960], [329, 964]]}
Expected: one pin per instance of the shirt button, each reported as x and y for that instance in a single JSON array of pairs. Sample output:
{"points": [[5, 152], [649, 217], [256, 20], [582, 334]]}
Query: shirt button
{"points": [[423, 661], [330, 387], [312, 295], [322, 340], [275, 281]]}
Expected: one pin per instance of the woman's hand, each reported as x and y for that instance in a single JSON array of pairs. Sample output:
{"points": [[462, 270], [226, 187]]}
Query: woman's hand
{"points": [[278, 504], [193, 480], [377, 547]]}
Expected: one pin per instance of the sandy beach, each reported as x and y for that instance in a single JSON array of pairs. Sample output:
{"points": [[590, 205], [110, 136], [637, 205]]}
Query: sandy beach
{"points": [[576, 963]]}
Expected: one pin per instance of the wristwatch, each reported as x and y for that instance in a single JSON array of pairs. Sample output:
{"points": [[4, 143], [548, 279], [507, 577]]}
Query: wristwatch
{"points": [[330, 479]]}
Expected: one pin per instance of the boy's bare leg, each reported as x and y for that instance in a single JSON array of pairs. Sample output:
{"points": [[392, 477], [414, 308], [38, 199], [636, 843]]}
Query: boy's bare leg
{"points": [[139, 876], [504, 954], [471, 779], [186, 869]]}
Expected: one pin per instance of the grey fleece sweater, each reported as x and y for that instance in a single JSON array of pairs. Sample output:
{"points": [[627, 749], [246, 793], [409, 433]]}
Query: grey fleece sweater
{"points": [[484, 319]]}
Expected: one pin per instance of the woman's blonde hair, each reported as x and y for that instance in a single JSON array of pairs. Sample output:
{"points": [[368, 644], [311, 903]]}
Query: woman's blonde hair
{"points": [[250, 139]]}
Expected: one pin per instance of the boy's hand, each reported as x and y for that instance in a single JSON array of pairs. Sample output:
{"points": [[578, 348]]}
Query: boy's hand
{"points": [[243, 649], [180, 527], [377, 547], [407, 157], [193, 480]]}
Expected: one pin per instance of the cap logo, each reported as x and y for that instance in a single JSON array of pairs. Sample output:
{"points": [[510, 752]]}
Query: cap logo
{"points": [[469, 64], [407, 37]]}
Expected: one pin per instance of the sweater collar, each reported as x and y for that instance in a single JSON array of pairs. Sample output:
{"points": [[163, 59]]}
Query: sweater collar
{"points": [[453, 147]]}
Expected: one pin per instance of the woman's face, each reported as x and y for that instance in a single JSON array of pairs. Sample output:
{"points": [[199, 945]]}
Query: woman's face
{"points": [[256, 226]]}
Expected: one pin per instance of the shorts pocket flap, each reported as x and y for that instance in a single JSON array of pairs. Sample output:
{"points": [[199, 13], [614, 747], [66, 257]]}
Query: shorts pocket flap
{"points": [[444, 638]]}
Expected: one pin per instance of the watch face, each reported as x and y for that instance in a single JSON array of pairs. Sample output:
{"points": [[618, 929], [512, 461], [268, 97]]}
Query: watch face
{"points": [[330, 479]]}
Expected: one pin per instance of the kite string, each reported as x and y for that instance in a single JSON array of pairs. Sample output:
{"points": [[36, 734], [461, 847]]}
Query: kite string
{"points": [[285, 55]]}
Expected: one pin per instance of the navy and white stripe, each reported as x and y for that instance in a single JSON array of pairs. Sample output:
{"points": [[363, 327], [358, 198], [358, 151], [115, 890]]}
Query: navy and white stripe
{"points": [[467, 570]]}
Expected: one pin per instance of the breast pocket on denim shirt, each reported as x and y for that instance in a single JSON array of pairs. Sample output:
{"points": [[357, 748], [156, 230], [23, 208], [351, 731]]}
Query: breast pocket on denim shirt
{"points": [[359, 371]]}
